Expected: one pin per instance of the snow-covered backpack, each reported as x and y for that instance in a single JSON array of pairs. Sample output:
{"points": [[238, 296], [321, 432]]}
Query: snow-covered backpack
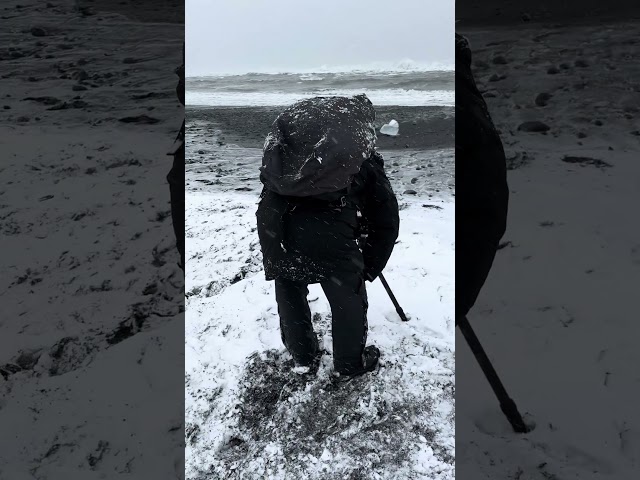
{"points": [[317, 146]]}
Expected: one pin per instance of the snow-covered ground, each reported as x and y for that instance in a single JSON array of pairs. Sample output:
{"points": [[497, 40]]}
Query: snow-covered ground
{"points": [[558, 314], [90, 290], [247, 415]]}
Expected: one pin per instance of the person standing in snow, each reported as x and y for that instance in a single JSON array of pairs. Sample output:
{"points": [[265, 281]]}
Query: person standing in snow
{"points": [[481, 177], [176, 174], [322, 178]]}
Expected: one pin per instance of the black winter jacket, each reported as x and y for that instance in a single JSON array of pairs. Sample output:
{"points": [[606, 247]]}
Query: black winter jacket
{"points": [[480, 158], [310, 240], [482, 193]]}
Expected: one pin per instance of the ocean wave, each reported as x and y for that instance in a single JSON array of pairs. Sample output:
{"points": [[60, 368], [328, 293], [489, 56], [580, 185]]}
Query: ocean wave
{"points": [[378, 97], [373, 68]]}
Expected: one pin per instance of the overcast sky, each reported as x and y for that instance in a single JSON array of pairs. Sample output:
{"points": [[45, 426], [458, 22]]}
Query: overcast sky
{"points": [[239, 36]]}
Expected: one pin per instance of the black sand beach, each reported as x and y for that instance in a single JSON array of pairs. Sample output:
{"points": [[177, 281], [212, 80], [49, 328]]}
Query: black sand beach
{"points": [[420, 127], [511, 12], [154, 11]]}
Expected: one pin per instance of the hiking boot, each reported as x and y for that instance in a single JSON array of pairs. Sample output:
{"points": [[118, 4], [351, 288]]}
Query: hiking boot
{"points": [[302, 374], [370, 358], [311, 368]]}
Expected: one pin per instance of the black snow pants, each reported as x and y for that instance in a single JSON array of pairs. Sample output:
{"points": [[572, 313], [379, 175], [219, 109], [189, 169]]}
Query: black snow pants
{"points": [[176, 189], [348, 299]]}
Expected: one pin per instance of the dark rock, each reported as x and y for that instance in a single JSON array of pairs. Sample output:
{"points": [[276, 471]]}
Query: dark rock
{"points": [[38, 32], [553, 71], [565, 66], [481, 65], [587, 161], [435, 207], [80, 75], [581, 63], [44, 100], [496, 78], [598, 123], [534, 127], [87, 11], [582, 135], [414, 180], [27, 359], [140, 120], [543, 99], [70, 105], [410, 192], [79, 88], [499, 60]]}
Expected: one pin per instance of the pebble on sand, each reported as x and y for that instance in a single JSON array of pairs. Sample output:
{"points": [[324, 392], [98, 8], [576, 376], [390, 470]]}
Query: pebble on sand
{"points": [[140, 119], [596, 162], [543, 99], [534, 127], [38, 32]]}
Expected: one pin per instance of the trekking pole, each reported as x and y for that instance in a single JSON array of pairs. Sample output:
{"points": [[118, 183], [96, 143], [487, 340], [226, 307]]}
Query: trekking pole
{"points": [[393, 299], [507, 405]]}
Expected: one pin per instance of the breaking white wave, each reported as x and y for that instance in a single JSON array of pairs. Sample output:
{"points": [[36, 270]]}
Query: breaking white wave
{"points": [[405, 65], [392, 96]]}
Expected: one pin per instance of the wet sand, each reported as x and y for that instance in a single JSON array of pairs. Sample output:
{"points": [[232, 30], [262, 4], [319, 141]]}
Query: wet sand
{"points": [[224, 148], [420, 127]]}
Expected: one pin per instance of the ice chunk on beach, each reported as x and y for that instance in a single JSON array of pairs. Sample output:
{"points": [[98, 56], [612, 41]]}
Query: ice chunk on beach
{"points": [[390, 128]]}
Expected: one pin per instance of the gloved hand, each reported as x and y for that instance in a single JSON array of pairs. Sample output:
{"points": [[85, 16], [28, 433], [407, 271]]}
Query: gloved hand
{"points": [[370, 275]]}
